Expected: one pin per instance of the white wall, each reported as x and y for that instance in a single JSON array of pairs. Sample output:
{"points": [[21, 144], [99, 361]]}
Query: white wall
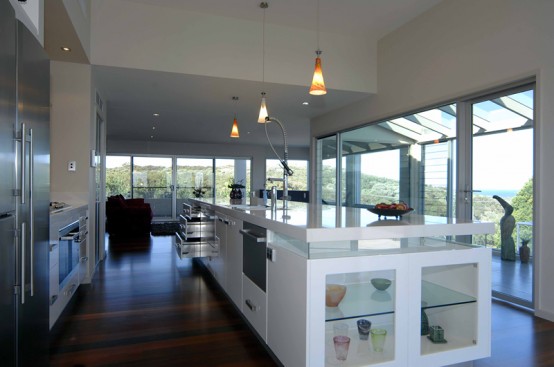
{"points": [[462, 47], [258, 153], [70, 131], [208, 45]]}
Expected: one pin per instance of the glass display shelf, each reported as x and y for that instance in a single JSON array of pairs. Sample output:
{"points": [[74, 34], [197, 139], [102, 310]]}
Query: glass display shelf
{"points": [[434, 295], [362, 300]]}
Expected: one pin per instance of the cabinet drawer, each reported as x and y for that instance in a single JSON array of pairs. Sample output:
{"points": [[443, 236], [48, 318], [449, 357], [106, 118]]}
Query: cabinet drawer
{"points": [[254, 306]]}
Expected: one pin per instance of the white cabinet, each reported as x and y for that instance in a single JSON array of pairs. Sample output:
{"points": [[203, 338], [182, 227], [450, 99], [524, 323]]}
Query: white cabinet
{"points": [[254, 306], [287, 293], [218, 263], [233, 260]]}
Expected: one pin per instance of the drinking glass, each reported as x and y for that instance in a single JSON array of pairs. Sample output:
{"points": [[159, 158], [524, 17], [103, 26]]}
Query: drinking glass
{"points": [[378, 339], [340, 329], [342, 343], [363, 328]]}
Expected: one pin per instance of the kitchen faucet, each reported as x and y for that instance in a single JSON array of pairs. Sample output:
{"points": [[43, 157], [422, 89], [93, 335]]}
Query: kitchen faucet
{"points": [[284, 162]]}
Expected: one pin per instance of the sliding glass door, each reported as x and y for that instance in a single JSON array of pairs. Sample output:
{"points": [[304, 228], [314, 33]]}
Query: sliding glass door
{"points": [[194, 178], [153, 181], [502, 187]]}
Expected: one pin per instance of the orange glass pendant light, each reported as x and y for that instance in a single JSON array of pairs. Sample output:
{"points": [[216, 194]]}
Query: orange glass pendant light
{"points": [[318, 84], [235, 128]]}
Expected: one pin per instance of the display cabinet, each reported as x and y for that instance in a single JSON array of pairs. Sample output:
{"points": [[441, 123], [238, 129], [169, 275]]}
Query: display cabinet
{"points": [[436, 311]]}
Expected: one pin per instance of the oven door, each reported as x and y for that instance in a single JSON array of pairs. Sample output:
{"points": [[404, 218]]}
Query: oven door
{"points": [[254, 244]]}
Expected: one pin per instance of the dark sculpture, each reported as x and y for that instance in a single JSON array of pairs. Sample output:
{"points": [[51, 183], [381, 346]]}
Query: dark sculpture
{"points": [[507, 225]]}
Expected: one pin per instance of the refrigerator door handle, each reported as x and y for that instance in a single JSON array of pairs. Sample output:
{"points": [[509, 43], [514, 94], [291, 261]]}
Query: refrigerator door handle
{"points": [[31, 213], [23, 230], [23, 151]]}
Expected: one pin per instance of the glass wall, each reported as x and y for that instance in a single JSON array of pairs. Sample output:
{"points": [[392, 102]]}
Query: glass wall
{"points": [[327, 170], [165, 182], [473, 165], [153, 181], [409, 159]]}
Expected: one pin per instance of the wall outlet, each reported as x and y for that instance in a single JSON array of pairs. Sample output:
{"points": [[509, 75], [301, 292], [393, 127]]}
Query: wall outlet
{"points": [[72, 166]]}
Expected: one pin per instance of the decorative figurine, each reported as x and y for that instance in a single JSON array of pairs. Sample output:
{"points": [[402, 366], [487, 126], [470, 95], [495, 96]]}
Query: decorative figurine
{"points": [[507, 225]]}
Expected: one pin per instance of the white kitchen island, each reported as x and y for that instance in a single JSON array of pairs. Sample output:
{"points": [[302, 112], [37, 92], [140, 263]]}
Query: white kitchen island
{"points": [[434, 278]]}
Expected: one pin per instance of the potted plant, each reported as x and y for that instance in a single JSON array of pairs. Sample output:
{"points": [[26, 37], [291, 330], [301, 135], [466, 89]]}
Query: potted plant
{"points": [[199, 192], [236, 189]]}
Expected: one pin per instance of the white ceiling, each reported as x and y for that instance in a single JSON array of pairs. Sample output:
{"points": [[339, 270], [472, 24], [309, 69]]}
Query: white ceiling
{"points": [[186, 102]]}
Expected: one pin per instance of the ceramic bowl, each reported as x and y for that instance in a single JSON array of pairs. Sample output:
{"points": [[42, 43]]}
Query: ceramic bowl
{"points": [[381, 283], [334, 293]]}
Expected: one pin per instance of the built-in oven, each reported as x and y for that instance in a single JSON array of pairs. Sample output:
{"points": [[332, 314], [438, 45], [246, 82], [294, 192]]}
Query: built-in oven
{"points": [[254, 244], [69, 248]]}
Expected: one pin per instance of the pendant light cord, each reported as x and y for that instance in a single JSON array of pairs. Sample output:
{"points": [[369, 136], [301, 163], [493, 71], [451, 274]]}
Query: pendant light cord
{"points": [[317, 24], [264, 6]]}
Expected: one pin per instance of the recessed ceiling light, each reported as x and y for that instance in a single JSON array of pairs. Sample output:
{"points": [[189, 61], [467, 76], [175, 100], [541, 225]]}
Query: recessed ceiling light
{"points": [[305, 103], [65, 48], [153, 127], [156, 115], [151, 136]]}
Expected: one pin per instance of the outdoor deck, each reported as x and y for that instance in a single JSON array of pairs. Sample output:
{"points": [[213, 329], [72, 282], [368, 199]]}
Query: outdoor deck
{"points": [[513, 278]]}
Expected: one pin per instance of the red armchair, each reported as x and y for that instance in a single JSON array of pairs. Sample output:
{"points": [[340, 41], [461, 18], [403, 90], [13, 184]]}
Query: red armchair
{"points": [[127, 216]]}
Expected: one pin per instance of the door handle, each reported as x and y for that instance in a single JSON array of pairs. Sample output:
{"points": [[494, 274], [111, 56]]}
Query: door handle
{"points": [[22, 163], [31, 213], [23, 230]]}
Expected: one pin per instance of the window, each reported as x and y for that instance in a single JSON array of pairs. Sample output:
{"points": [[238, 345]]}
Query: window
{"points": [[298, 181], [165, 182], [118, 176]]}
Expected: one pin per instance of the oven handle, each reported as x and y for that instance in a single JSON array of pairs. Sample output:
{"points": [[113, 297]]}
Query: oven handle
{"points": [[248, 233]]}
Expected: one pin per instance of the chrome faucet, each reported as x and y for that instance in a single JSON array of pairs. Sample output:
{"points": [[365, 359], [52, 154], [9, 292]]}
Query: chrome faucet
{"points": [[284, 162], [285, 182]]}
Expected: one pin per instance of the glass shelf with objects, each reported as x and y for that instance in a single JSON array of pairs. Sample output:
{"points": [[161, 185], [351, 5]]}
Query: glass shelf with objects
{"points": [[449, 307], [360, 318]]}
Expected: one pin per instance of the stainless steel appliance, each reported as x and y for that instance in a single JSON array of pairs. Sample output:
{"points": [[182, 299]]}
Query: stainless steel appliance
{"points": [[24, 194], [69, 248], [254, 252]]}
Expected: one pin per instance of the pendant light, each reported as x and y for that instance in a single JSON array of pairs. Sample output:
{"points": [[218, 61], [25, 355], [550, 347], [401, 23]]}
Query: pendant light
{"points": [[263, 107], [235, 128], [318, 84]]}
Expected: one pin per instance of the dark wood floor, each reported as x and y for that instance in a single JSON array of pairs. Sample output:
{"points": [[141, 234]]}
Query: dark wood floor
{"points": [[146, 307]]}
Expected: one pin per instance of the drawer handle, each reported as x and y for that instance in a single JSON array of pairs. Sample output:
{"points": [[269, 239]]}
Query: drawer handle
{"points": [[84, 259], [251, 305]]}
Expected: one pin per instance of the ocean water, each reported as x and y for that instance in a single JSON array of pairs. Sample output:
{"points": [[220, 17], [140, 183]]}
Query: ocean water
{"points": [[504, 194]]}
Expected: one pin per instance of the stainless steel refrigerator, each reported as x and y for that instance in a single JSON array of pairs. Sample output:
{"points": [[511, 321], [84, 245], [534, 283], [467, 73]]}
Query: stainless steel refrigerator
{"points": [[24, 194]]}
